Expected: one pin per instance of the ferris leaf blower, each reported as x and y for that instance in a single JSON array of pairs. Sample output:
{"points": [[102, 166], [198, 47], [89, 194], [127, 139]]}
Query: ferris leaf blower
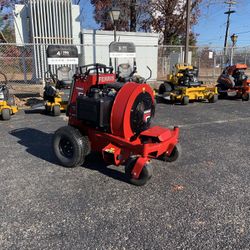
{"points": [[113, 118]]}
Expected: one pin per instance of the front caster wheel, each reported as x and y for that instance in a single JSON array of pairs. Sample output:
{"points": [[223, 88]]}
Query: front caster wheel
{"points": [[213, 99], [145, 174], [70, 146], [185, 100], [6, 114], [245, 97], [56, 110], [175, 154]]}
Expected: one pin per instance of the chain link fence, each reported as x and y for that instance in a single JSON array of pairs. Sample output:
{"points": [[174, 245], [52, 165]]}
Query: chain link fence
{"points": [[27, 64], [209, 60]]}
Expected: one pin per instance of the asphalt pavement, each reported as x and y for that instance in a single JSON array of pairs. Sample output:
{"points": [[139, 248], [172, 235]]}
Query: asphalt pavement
{"points": [[200, 202]]}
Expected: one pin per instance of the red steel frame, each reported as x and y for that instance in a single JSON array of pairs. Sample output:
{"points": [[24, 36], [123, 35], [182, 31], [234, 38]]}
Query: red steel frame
{"points": [[118, 146]]}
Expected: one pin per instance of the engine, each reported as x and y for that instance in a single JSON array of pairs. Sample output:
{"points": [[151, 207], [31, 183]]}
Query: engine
{"points": [[233, 76], [189, 77], [4, 92], [95, 108]]}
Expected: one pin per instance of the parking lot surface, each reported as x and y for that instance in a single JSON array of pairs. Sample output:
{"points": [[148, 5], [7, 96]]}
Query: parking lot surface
{"points": [[200, 202]]}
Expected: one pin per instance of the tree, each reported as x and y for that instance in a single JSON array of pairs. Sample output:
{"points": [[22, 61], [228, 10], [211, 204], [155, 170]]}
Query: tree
{"points": [[166, 17], [131, 11], [6, 19]]}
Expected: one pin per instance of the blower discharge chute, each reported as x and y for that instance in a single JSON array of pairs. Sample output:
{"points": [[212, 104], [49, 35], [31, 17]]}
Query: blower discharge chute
{"points": [[7, 101], [57, 87], [113, 118], [234, 82]]}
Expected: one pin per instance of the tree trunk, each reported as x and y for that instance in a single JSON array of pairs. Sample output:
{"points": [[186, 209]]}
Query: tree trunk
{"points": [[133, 16]]}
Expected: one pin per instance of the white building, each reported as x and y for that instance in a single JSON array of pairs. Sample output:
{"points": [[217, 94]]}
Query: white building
{"points": [[57, 22], [146, 49]]}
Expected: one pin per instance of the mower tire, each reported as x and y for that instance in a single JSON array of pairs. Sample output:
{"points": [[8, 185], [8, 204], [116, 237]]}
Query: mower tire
{"points": [[6, 114], [213, 99], [70, 146], [185, 100], [47, 110], [145, 174], [165, 87], [175, 154], [245, 97], [56, 110]]}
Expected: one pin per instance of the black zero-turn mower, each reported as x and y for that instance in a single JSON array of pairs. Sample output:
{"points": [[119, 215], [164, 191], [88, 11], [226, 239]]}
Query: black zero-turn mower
{"points": [[57, 86], [7, 101]]}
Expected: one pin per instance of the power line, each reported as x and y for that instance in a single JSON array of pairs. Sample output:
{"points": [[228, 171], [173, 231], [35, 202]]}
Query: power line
{"points": [[243, 32]]}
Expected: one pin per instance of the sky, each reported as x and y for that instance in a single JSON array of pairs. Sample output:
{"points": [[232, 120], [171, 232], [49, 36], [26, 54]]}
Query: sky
{"points": [[212, 22]]}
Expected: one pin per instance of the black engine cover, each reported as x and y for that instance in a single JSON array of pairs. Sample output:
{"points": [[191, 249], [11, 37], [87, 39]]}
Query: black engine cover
{"points": [[95, 111]]}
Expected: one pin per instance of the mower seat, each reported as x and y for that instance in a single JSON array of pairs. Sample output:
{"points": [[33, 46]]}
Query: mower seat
{"points": [[64, 77], [125, 71]]}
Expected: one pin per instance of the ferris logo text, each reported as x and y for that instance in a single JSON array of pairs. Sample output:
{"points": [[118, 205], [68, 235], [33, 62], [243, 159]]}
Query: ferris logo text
{"points": [[107, 78]]}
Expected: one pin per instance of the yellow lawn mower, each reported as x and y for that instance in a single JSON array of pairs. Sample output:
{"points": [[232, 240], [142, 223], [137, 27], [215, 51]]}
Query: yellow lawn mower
{"points": [[183, 86], [7, 101], [59, 77]]}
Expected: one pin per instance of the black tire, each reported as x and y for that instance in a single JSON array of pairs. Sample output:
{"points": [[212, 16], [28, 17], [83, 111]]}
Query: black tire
{"points": [[165, 87], [145, 174], [47, 110], [56, 110], [185, 100], [6, 114], [245, 97], [213, 99], [175, 154], [70, 146]]}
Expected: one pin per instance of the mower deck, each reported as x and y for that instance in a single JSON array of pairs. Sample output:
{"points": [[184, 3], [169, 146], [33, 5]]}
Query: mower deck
{"points": [[200, 93]]}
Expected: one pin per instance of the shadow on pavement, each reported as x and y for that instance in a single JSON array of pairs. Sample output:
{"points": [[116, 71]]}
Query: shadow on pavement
{"points": [[39, 144], [95, 162]]}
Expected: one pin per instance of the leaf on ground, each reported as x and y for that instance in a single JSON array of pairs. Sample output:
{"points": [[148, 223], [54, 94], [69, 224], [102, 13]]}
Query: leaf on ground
{"points": [[177, 187]]}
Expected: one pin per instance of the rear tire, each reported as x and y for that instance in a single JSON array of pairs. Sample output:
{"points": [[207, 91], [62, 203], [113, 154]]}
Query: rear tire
{"points": [[70, 146], [6, 114], [213, 99], [145, 174], [185, 100], [47, 110], [165, 87], [56, 110]]}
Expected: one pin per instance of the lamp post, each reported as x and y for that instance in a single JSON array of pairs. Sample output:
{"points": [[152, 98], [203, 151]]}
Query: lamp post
{"points": [[234, 40], [114, 16]]}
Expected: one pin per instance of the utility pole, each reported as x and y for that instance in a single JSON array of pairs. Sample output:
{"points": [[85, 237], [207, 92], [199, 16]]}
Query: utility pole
{"points": [[228, 13], [188, 14], [133, 6]]}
